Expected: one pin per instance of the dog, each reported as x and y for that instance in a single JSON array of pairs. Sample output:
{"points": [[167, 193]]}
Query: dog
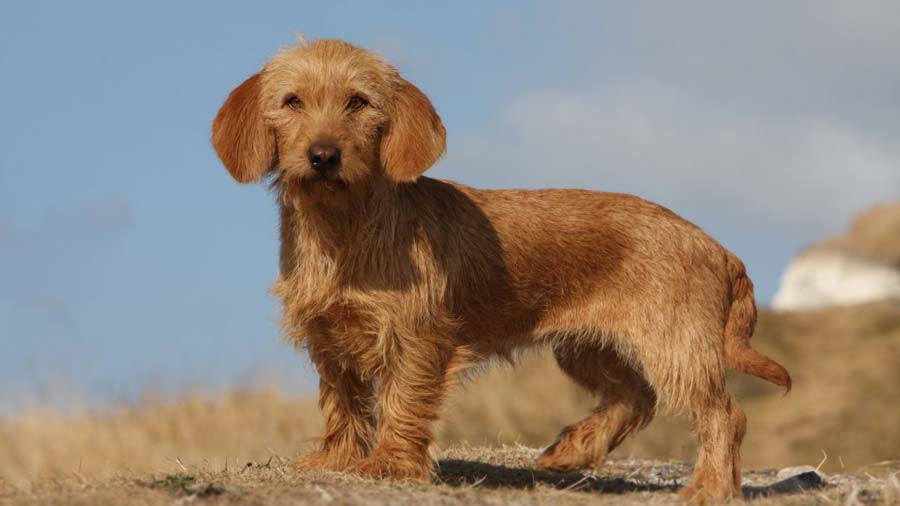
{"points": [[397, 283]]}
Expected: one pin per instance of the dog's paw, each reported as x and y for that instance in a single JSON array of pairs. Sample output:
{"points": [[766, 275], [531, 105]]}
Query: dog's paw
{"points": [[563, 456], [322, 460], [381, 465], [705, 493]]}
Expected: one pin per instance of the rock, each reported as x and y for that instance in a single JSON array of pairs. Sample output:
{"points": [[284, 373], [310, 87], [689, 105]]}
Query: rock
{"points": [[825, 278], [859, 266], [791, 480], [789, 472]]}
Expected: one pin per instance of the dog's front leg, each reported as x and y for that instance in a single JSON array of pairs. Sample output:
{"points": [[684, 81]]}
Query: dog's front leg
{"points": [[409, 399], [346, 403]]}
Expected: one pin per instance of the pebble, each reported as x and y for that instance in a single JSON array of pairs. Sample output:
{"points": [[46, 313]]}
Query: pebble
{"points": [[789, 472]]}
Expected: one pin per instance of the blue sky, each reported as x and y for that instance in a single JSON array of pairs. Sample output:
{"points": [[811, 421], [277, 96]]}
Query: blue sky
{"points": [[129, 259]]}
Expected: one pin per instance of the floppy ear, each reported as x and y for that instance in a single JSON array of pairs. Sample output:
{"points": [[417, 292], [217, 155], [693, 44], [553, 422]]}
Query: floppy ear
{"points": [[414, 138], [243, 142]]}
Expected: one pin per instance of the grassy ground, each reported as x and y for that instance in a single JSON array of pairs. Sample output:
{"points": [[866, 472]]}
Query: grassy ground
{"points": [[466, 476], [843, 406]]}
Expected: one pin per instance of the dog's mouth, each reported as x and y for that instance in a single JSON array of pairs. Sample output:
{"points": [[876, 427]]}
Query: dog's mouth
{"points": [[330, 184]]}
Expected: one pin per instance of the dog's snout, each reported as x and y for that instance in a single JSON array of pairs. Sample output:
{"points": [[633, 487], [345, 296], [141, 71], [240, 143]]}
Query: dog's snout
{"points": [[324, 157]]}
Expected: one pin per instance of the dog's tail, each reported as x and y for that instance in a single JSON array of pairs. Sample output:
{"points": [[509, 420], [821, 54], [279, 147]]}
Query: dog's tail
{"points": [[739, 329]]}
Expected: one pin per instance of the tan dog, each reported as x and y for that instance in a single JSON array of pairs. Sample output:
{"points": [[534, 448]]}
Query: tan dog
{"points": [[396, 283]]}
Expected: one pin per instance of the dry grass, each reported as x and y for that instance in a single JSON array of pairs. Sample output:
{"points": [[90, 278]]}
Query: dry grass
{"points": [[466, 476], [151, 436], [844, 403]]}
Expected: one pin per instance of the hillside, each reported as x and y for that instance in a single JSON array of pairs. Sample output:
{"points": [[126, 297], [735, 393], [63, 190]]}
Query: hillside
{"points": [[860, 265], [844, 405]]}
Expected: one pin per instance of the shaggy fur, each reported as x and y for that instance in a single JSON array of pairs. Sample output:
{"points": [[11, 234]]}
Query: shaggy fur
{"points": [[397, 283]]}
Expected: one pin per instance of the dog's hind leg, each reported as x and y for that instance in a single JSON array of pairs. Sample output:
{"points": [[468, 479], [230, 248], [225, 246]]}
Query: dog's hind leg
{"points": [[738, 422], [720, 426], [627, 404]]}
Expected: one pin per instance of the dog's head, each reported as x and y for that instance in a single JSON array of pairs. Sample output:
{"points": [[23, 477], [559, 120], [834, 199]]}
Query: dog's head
{"points": [[327, 115]]}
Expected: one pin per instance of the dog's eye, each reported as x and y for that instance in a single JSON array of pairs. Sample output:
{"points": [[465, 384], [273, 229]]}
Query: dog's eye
{"points": [[294, 103], [356, 103]]}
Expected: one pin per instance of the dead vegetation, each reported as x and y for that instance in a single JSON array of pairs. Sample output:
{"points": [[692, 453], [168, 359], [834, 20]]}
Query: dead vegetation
{"points": [[466, 476]]}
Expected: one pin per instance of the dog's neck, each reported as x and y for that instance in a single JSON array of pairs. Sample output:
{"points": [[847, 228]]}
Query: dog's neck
{"points": [[334, 228]]}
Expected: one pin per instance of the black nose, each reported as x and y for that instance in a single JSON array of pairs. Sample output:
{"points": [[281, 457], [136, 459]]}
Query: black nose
{"points": [[324, 157]]}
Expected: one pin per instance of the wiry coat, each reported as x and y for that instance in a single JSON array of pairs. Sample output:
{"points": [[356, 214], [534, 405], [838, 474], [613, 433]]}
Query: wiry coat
{"points": [[396, 283]]}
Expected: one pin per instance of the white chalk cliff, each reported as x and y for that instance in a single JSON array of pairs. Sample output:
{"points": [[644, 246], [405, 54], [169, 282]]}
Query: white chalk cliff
{"points": [[862, 265]]}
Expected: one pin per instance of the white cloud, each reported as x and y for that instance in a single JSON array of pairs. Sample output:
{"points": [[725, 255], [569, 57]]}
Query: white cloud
{"points": [[663, 146], [781, 113]]}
